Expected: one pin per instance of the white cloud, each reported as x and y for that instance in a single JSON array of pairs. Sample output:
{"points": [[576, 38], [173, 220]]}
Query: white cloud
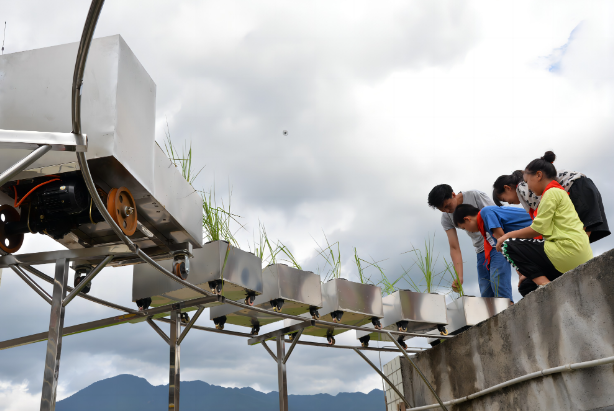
{"points": [[381, 100]]}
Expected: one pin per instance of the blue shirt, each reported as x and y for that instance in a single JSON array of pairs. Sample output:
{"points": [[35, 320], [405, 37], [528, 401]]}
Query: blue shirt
{"points": [[507, 218]]}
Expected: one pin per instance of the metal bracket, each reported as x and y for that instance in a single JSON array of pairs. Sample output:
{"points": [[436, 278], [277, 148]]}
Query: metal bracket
{"points": [[188, 327], [93, 273], [413, 364], [158, 330], [294, 341], [390, 384], [31, 140]]}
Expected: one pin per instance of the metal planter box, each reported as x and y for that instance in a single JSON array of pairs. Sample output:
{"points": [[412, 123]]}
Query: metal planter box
{"points": [[299, 290], [119, 114], [419, 312], [359, 303], [467, 311], [241, 275]]}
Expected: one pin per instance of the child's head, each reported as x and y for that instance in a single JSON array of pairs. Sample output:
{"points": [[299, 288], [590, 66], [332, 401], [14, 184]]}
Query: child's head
{"points": [[466, 217], [540, 172], [443, 198], [504, 188]]}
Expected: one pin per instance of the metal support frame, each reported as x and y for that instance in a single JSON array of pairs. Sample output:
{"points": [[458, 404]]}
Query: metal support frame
{"points": [[159, 331], [54, 341], [26, 278], [413, 364], [90, 276], [32, 140], [390, 384], [22, 164], [189, 326], [174, 361]]}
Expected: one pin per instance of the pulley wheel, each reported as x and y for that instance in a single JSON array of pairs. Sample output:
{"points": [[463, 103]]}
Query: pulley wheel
{"points": [[10, 243], [122, 207]]}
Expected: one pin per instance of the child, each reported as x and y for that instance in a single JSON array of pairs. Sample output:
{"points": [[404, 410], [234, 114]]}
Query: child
{"points": [[495, 221], [443, 198], [565, 245], [582, 192]]}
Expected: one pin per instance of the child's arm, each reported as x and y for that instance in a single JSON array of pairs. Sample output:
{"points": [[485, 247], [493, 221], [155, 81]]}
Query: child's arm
{"points": [[497, 232], [526, 232]]}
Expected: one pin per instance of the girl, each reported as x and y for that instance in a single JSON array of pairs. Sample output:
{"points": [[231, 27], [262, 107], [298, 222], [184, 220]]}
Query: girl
{"points": [[565, 245], [582, 191]]}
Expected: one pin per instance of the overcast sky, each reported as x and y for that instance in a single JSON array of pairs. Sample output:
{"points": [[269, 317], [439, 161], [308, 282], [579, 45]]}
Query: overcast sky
{"points": [[382, 100]]}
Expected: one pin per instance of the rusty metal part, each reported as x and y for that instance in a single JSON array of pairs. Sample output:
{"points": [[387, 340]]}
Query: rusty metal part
{"points": [[10, 243], [122, 207]]}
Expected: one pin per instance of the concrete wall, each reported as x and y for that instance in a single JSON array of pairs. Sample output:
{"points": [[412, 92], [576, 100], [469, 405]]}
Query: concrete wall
{"points": [[569, 321]]}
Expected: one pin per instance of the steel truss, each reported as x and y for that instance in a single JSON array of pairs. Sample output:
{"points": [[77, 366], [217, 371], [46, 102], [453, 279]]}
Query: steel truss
{"points": [[62, 295]]}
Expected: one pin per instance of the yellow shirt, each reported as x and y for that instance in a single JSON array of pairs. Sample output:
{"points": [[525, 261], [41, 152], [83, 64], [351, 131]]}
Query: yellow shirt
{"points": [[566, 243]]}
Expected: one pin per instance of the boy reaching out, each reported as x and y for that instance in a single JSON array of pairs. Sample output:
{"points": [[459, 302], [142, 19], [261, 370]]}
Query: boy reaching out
{"points": [[443, 198], [496, 221]]}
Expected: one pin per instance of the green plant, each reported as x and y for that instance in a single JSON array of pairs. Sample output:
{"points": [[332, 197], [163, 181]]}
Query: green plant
{"points": [[217, 220], [264, 245], [426, 261], [291, 259], [387, 286], [183, 161], [496, 284], [332, 260], [455, 279], [361, 271]]}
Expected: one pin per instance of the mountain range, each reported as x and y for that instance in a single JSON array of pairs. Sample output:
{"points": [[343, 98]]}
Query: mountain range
{"points": [[131, 393]]}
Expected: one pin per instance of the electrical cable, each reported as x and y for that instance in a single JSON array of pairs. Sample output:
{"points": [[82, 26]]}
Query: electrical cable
{"points": [[17, 204]]}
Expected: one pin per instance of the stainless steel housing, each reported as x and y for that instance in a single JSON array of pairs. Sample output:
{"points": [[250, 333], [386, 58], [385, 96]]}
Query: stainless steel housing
{"points": [[119, 114], [240, 271], [423, 312], [468, 311], [360, 303], [299, 290]]}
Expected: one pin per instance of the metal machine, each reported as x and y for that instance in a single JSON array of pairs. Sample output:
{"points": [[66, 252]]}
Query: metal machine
{"points": [[345, 302], [468, 311], [284, 288], [410, 311], [125, 203], [145, 194]]}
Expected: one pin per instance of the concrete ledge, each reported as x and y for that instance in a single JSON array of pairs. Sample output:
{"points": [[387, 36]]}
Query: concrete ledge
{"points": [[569, 321]]}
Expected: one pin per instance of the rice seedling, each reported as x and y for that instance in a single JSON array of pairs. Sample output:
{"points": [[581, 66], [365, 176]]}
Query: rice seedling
{"points": [[333, 260], [183, 161], [291, 259], [263, 245], [361, 271], [426, 262], [456, 284], [387, 286], [495, 285], [217, 220]]}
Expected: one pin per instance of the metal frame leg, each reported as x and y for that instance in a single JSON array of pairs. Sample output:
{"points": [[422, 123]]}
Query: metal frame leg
{"points": [[54, 343], [173, 376], [282, 380]]}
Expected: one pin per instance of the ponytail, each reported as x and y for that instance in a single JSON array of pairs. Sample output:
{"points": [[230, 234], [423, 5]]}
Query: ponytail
{"points": [[511, 180], [543, 164]]}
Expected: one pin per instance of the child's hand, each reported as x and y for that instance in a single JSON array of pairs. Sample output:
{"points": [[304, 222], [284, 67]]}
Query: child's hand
{"points": [[456, 286], [500, 242]]}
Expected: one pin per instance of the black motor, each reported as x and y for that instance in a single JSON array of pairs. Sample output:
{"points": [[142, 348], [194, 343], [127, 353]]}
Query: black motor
{"points": [[51, 205]]}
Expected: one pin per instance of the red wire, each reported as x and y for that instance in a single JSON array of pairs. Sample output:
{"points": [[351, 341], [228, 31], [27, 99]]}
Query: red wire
{"points": [[17, 204]]}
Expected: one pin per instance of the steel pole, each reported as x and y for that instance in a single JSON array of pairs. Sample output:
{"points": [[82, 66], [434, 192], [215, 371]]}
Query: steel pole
{"points": [[173, 375], [282, 380], [54, 342], [22, 164]]}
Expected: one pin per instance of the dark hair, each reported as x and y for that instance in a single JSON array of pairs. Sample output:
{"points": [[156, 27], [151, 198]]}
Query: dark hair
{"points": [[543, 164], [511, 180], [439, 194], [462, 211]]}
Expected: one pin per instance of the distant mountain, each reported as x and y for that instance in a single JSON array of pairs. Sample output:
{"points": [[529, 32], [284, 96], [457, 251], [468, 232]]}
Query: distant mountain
{"points": [[130, 393]]}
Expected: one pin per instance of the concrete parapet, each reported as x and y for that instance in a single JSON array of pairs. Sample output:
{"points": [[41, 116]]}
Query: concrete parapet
{"points": [[568, 321]]}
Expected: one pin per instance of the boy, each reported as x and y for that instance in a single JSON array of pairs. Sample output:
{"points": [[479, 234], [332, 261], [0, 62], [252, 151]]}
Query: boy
{"points": [[443, 198], [496, 221]]}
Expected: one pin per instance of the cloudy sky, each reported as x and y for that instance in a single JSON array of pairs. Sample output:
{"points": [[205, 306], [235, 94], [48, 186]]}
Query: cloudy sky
{"points": [[381, 101]]}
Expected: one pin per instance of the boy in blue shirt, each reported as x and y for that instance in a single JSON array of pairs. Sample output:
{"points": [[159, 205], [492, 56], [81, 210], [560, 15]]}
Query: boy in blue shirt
{"points": [[493, 222]]}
